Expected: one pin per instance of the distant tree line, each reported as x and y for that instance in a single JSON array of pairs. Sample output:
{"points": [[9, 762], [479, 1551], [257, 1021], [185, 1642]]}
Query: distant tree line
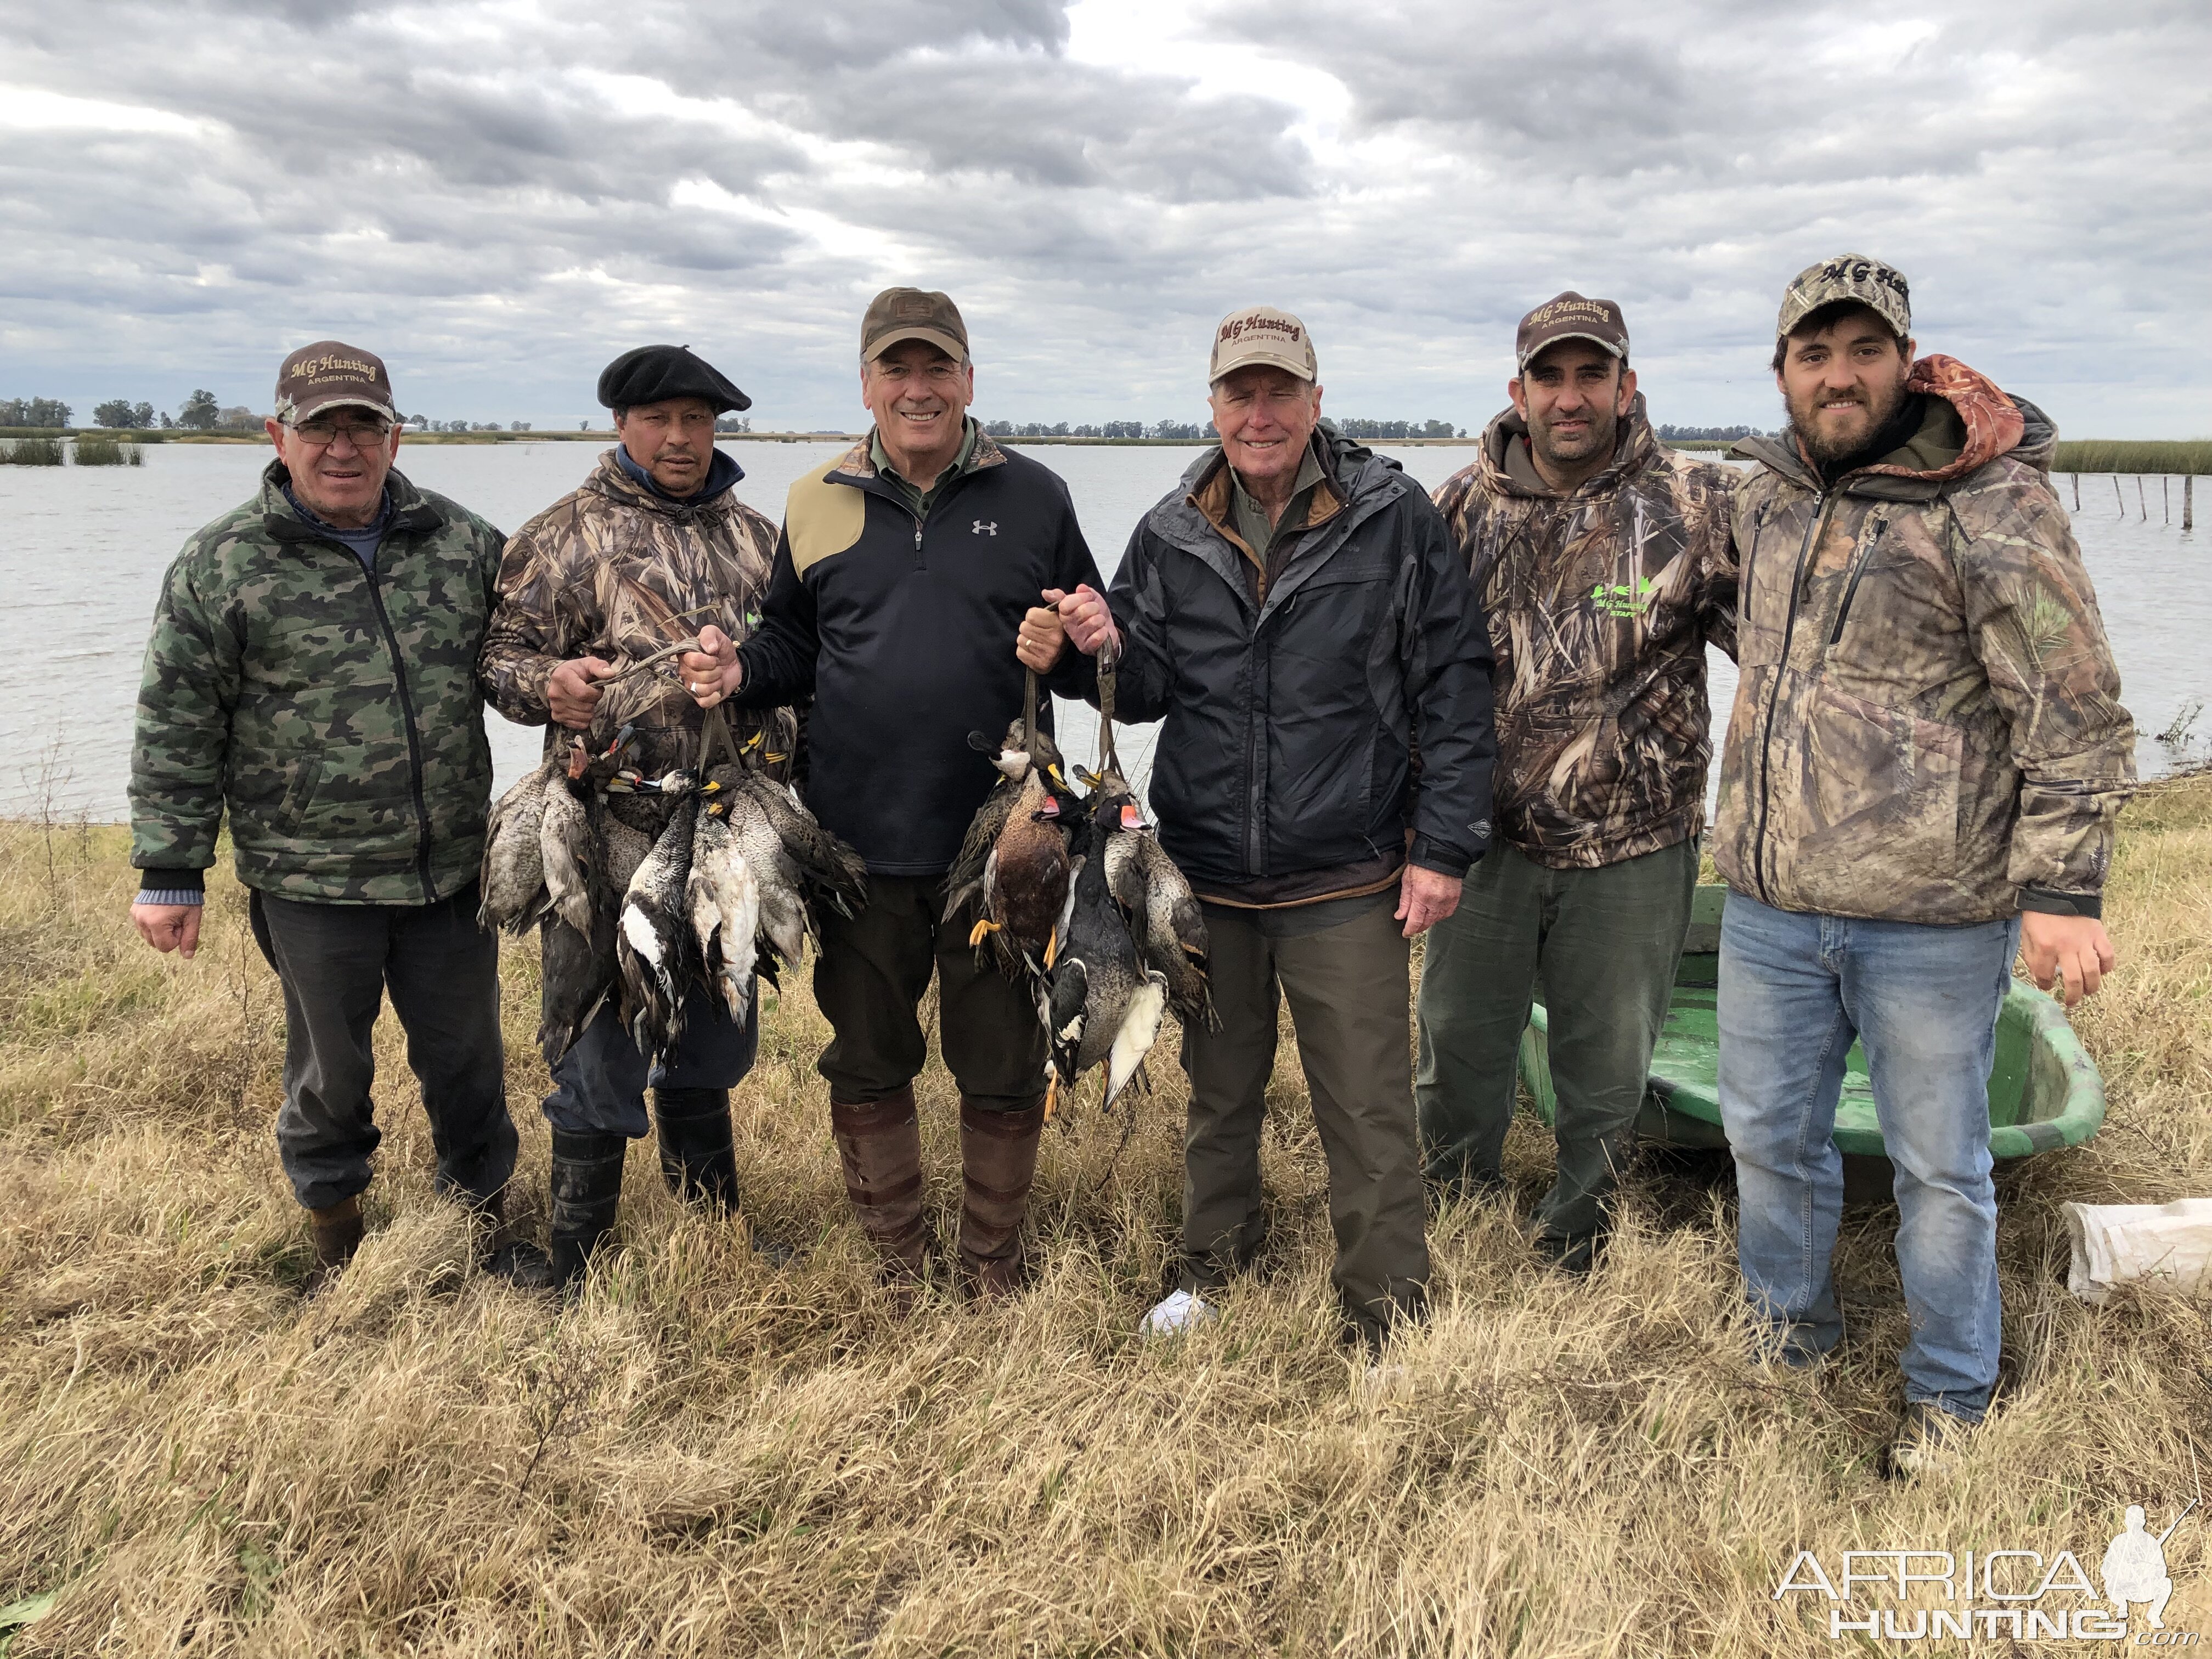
{"points": [[464, 426], [201, 413], [1713, 433], [1187, 430]]}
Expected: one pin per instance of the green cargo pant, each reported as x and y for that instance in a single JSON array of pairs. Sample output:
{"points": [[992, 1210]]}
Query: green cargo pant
{"points": [[1605, 943], [1348, 988]]}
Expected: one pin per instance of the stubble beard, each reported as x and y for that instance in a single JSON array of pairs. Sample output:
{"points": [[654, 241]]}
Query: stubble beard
{"points": [[1880, 410], [1604, 432]]}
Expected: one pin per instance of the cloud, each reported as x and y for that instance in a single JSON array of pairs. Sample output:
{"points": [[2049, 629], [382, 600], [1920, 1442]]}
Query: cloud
{"points": [[500, 195]]}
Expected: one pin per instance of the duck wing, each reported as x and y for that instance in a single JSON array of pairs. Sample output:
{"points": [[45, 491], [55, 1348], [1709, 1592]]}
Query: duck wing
{"points": [[722, 901], [653, 939], [783, 921], [579, 973], [564, 847], [830, 870], [963, 882], [512, 881]]}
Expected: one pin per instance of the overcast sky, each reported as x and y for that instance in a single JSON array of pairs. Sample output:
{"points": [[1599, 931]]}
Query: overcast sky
{"points": [[498, 195]]}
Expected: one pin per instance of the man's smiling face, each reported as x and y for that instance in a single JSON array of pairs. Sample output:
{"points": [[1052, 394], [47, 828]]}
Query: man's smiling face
{"points": [[1265, 417], [1842, 379], [918, 396]]}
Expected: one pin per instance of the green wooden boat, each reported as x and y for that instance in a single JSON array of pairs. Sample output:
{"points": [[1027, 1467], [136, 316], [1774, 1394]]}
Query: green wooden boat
{"points": [[2045, 1092]]}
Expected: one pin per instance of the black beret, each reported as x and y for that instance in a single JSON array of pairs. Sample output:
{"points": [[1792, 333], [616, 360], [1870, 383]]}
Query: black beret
{"points": [[653, 374]]}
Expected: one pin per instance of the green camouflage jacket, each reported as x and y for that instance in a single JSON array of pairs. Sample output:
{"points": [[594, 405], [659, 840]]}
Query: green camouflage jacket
{"points": [[1927, 726], [1600, 604], [614, 571], [333, 711]]}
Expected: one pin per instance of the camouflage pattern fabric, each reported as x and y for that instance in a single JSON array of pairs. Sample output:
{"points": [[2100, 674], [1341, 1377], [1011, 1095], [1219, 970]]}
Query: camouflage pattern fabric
{"points": [[1600, 603], [1928, 721], [613, 571], [334, 712]]}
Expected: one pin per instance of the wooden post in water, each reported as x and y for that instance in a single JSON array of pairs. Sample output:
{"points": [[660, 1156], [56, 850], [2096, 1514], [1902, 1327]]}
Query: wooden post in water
{"points": [[2077, 491], [2117, 498], [2142, 506], [2165, 494], [2189, 501]]}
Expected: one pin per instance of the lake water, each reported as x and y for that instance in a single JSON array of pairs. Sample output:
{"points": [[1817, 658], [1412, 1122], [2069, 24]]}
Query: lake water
{"points": [[82, 551]]}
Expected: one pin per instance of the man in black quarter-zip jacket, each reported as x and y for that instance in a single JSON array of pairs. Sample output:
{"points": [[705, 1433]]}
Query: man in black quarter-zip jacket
{"points": [[907, 602]]}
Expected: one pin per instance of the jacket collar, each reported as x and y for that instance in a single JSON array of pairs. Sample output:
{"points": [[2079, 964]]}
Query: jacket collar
{"points": [[409, 509], [722, 472], [858, 465], [609, 479], [1997, 424]]}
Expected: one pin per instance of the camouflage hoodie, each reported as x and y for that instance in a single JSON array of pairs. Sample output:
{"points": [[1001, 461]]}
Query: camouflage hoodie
{"points": [[1601, 602], [616, 571], [332, 708], [1927, 726]]}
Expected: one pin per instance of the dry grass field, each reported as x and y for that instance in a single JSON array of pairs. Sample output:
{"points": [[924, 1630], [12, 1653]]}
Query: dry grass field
{"points": [[709, 1455]]}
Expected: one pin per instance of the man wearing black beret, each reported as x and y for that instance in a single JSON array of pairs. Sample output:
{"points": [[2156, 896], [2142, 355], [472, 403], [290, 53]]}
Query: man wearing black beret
{"points": [[910, 592], [652, 546]]}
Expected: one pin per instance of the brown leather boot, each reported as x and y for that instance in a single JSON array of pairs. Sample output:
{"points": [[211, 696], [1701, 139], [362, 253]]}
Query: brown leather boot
{"points": [[880, 1146], [336, 1233], [998, 1162]]}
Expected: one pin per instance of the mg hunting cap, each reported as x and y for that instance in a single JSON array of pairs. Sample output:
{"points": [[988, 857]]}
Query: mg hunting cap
{"points": [[1853, 276], [654, 373], [331, 374], [1569, 316], [913, 314], [1261, 334]]}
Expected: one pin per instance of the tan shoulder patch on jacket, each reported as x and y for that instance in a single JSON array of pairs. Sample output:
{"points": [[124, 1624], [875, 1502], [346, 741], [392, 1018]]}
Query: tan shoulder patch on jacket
{"points": [[822, 517]]}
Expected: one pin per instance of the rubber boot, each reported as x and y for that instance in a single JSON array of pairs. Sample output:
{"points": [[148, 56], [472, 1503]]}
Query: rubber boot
{"points": [[997, 1164], [698, 1154], [587, 1183], [335, 1230], [880, 1146]]}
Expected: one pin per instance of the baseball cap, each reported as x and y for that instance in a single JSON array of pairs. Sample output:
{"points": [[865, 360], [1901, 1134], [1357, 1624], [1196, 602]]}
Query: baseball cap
{"points": [[1570, 316], [913, 314], [1851, 276], [1261, 334], [331, 374]]}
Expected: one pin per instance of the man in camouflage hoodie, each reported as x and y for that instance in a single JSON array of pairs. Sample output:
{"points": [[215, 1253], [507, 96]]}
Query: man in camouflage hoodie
{"points": [[652, 547], [313, 671], [1604, 564], [1921, 774]]}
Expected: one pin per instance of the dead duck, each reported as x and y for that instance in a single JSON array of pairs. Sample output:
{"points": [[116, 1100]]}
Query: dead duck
{"points": [[782, 922], [653, 937], [578, 976], [564, 845], [512, 881], [1101, 1004], [963, 882], [1026, 877], [1165, 923], [829, 872], [722, 901]]}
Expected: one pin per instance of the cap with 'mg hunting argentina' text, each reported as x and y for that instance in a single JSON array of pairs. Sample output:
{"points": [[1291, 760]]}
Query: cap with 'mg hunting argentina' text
{"points": [[331, 375], [1569, 316], [1261, 335], [1879, 288]]}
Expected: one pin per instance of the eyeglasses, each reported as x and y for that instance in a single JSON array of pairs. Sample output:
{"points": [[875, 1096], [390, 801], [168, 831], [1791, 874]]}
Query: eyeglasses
{"points": [[323, 432]]}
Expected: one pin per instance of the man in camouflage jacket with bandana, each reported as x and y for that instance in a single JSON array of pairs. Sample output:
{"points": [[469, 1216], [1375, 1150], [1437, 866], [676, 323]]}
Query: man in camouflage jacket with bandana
{"points": [[1605, 566], [653, 547], [1923, 771], [312, 672]]}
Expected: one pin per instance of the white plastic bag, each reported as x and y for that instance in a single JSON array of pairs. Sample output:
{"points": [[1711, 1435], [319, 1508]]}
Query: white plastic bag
{"points": [[2170, 1244]]}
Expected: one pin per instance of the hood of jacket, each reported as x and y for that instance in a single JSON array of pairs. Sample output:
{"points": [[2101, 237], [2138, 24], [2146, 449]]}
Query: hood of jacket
{"points": [[1634, 447], [1994, 424]]}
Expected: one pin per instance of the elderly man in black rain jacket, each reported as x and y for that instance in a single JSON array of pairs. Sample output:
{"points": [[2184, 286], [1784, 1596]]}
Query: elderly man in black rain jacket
{"points": [[1296, 612]]}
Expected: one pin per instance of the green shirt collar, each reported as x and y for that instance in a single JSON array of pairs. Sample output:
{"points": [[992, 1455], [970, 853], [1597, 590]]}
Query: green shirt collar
{"points": [[917, 499], [1251, 517]]}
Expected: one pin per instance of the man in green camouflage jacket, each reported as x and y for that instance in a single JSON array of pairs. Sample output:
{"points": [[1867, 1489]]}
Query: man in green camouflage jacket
{"points": [[311, 671], [652, 547], [1605, 566], [1923, 771]]}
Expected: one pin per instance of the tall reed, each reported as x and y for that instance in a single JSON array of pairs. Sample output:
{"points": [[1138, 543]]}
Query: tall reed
{"points": [[108, 451], [32, 452], [2133, 455]]}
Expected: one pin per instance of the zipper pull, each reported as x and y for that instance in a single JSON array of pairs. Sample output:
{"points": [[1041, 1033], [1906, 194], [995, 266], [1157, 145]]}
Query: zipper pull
{"points": [[917, 535]]}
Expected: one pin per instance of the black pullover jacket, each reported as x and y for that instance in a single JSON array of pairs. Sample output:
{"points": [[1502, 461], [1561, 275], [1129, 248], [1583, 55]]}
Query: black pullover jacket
{"points": [[902, 632]]}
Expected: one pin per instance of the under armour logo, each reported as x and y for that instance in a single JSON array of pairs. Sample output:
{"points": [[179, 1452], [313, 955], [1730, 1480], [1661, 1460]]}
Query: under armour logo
{"points": [[983, 529]]}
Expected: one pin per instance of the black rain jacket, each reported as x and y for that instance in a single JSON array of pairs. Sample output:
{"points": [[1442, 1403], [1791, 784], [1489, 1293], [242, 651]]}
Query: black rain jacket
{"points": [[1294, 703]]}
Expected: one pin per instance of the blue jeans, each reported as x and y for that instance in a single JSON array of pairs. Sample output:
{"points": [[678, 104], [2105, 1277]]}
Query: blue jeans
{"points": [[599, 1087], [1922, 1000]]}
